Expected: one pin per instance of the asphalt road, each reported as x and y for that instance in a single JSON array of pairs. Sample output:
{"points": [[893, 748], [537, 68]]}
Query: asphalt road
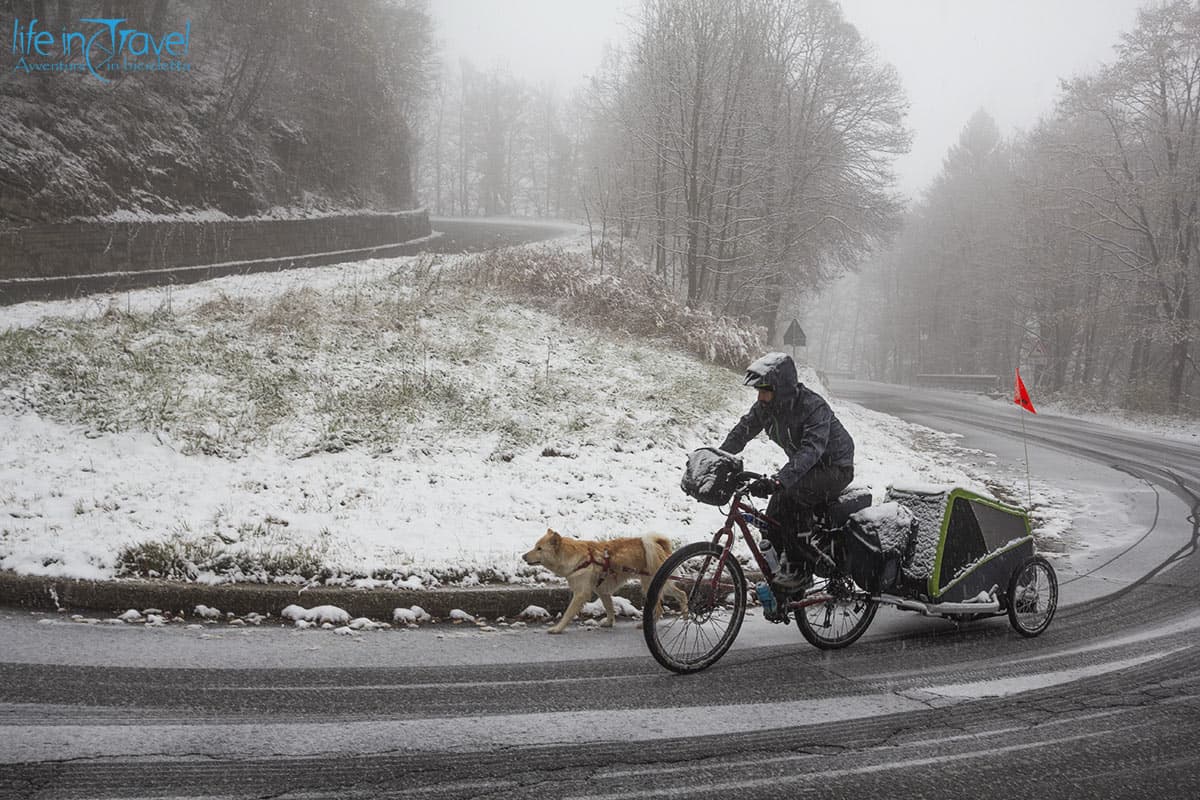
{"points": [[1105, 704], [469, 235]]}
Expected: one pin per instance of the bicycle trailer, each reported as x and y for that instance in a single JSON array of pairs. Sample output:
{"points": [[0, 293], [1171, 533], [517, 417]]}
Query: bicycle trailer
{"points": [[959, 546]]}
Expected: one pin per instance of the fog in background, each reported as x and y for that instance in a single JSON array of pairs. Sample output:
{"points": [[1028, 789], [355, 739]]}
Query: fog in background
{"points": [[931, 188], [953, 56]]}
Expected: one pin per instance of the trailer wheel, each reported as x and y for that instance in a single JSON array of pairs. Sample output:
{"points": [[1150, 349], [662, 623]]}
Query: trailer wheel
{"points": [[1032, 596]]}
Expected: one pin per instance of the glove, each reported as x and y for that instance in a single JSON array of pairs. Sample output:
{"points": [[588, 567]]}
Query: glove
{"points": [[763, 487]]}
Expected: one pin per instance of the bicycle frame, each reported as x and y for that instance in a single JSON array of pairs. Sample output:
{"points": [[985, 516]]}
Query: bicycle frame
{"points": [[738, 511], [737, 516]]}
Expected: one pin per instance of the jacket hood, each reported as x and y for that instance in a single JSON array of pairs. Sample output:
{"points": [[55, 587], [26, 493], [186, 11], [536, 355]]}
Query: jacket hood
{"points": [[777, 369]]}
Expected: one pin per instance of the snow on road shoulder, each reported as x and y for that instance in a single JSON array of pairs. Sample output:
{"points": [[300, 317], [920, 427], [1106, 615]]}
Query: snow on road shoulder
{"points": [[1181, 429], [320, 615]]}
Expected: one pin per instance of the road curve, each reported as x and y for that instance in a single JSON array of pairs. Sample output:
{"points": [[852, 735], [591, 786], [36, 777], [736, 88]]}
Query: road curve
{"points": [[463, 234], [1169, 468], [1104, 704]]}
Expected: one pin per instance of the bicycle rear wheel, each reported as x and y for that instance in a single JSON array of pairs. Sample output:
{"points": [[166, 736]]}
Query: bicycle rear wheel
{"points": [[839, 620], [694, 607]]}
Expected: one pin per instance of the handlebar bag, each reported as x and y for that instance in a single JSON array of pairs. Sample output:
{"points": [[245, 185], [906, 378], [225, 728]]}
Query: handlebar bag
{"points": [[711, 476]]}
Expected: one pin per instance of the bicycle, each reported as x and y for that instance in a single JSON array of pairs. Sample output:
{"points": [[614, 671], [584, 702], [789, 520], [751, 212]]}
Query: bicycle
{"points": [[972, 557], [830, 610]]}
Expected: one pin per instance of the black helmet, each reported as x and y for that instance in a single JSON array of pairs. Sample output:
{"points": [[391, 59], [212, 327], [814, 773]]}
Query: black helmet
{"points": [[774, 372]]}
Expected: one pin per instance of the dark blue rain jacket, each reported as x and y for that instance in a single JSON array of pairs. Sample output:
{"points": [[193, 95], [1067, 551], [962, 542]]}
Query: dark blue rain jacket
{"points": [[798, 420]]}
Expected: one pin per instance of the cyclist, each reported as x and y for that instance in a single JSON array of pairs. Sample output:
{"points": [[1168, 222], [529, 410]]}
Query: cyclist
{"points": [[820, 456]]}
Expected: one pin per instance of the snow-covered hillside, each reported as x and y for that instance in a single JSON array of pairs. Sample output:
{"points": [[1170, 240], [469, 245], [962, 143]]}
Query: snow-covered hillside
{"points": [[363, 422]]}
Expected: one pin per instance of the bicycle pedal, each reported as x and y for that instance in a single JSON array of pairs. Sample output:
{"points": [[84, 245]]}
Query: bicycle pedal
{"points": [[777, 616]]}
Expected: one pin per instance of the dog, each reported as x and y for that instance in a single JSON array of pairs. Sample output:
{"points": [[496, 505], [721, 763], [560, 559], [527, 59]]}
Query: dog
{"points": [[592, 567]]}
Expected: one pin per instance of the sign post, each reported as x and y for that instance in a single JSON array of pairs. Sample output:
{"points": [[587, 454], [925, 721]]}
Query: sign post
{"points": [[1037, 359], [795, 337]]}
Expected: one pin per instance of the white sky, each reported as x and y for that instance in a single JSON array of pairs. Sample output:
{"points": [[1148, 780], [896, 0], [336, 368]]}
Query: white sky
{"points": [[1006, 56], [554, 41], [954, 56]]}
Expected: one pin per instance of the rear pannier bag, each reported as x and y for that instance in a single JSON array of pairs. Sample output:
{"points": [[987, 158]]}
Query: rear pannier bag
{"points": [[873, 546], [711, 476], [861, 556]]}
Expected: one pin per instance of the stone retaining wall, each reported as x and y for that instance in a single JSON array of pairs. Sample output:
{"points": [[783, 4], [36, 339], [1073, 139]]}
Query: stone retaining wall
{"points": [[72, 258], [89, 248]]}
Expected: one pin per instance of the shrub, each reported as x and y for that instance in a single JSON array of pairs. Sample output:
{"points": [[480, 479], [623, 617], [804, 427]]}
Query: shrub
{"points": [[636, 303]]}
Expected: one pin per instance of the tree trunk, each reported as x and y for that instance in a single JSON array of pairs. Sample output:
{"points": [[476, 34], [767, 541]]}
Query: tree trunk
{"points": [[1180, 351]]}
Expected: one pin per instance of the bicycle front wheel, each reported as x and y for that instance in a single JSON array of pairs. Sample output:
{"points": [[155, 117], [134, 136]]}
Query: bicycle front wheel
{"points": [[838, 620], [694, 607]]}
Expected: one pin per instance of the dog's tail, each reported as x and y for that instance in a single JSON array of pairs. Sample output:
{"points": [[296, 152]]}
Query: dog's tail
{"points": [[658, 547]]}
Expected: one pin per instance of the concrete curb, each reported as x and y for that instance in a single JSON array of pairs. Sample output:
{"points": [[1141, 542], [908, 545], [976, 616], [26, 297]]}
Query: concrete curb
{"points": [[37, 592]]}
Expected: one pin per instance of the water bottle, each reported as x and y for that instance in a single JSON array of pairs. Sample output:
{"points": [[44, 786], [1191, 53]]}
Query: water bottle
{"points": [[769, 555], [765, 596]]}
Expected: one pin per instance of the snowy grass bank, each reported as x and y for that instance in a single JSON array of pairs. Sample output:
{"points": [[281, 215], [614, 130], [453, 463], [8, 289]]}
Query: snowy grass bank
{"points": [[366, 423]]}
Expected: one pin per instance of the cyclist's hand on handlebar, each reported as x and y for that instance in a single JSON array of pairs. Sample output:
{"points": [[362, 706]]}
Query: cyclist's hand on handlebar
{"points": [[763, 487]]}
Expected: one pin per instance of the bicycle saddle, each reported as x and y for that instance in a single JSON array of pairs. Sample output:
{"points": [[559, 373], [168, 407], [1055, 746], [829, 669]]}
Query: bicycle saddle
{"points": [[836, 513]]}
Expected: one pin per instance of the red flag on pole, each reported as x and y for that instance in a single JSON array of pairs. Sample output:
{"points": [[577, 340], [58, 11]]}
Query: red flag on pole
{"points": [[1021, 397]]}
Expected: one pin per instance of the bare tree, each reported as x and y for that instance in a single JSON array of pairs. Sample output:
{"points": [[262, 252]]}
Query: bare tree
{"points": [[1147, 103], [758, 136], [1075, 249]]}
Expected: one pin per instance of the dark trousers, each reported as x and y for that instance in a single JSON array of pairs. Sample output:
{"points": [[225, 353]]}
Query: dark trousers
{"points": [[791, 510]]}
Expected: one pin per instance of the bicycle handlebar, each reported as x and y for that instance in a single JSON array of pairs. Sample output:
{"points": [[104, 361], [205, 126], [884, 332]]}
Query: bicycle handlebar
{"points": [[745, 478]]}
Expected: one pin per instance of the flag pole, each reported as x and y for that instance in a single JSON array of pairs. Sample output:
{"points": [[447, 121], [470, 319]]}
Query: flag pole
{"points": [[1025, 442], [1021, 398]]}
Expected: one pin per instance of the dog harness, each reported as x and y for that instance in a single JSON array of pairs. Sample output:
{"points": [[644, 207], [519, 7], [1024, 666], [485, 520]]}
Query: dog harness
{"points": [[605, 565]]}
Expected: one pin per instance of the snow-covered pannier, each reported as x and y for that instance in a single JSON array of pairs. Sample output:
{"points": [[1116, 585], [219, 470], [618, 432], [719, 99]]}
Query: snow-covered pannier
{"points": [[711, 476], [961, 544], [874, 543]]}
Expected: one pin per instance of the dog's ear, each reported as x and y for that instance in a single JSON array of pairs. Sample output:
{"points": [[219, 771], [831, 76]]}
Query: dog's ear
{"points": [[554, 538]]}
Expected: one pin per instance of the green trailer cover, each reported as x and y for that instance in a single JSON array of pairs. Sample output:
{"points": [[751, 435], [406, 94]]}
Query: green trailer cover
{"points": [[964, 544]]}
